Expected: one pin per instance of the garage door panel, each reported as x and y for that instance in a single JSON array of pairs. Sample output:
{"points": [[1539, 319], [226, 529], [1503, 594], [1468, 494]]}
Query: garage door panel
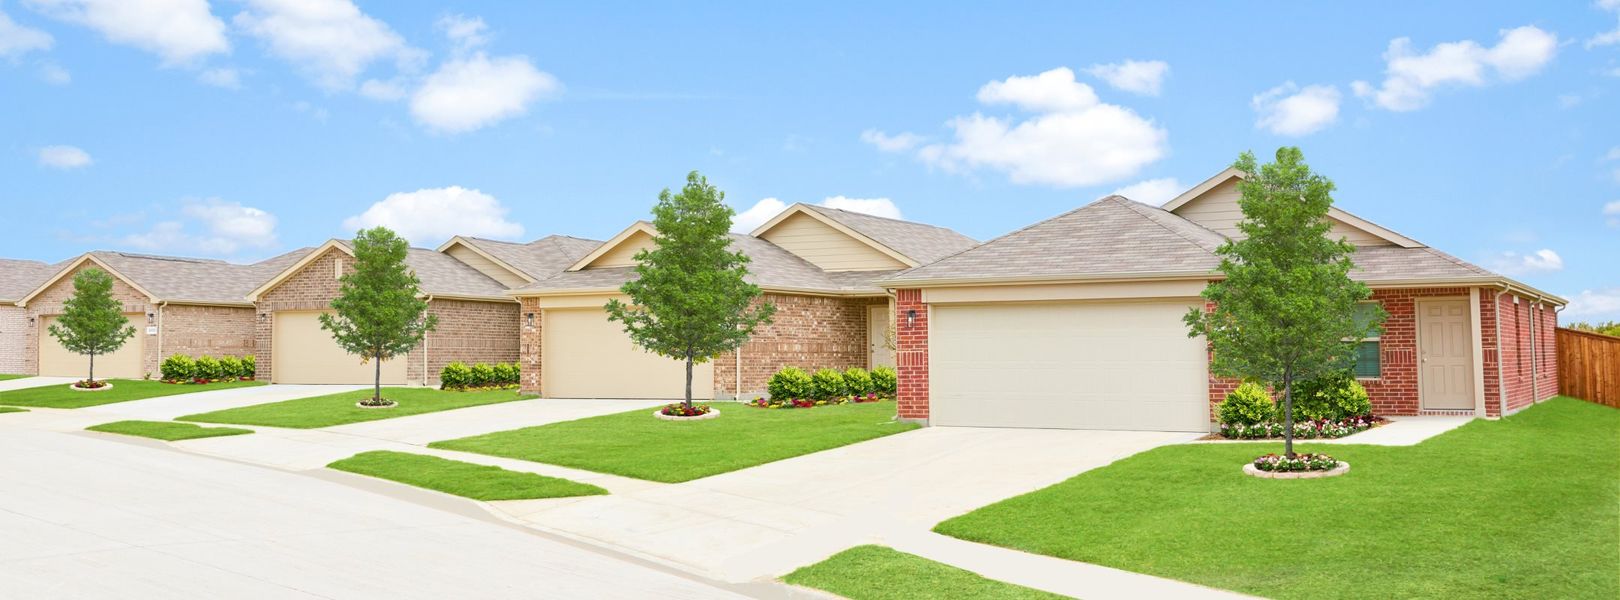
{"points": [[124, 363], [584, 355], [302, 352], [1119, 365]]}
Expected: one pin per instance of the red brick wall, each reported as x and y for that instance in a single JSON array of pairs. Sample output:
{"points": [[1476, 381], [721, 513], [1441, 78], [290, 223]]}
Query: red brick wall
{"points": [[1547, 349], [468, 331], [911, 354], [810, 332], [207, 330], [50, 302], [529, 338], [1529, 352]]}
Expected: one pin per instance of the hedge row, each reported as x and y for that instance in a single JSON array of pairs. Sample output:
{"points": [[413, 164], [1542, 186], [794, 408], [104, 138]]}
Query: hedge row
{"points": [[459, 376], [793, 383], [183, 368]]}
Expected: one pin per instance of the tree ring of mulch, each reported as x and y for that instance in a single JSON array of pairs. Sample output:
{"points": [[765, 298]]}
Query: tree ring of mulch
{"points": [[390, 404], [1249, 469], [75, 387], [713, 413]]}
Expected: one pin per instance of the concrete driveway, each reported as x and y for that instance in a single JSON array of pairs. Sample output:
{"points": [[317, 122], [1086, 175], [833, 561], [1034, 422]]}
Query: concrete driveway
{"points": [[168, 407], [89, 517], [764, 521], [28, 382]]}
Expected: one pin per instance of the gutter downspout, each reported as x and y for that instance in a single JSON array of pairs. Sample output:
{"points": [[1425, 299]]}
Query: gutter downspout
{"points": [[1535, 375], [1501, 387], [160, 312], [425, 349]]}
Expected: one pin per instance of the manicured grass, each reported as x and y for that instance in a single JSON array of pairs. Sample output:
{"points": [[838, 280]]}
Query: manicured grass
{"points": [[4, 376], [166, 430], [11, 409], [635, 444], [339, 409], [123, 390], [479, 482], [882, 573], [1527, 507]]}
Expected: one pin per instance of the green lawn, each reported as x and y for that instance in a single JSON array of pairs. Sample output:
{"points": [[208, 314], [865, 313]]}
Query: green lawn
{"points": [[11, 409], [1528, 507], [4, 376], [479, 482], [882, 573], [635, 444], [123, 390], [166, 430], [339, 409]]}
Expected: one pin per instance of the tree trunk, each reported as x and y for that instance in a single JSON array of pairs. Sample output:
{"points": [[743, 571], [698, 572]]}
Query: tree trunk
{"points": [[92, 367], [376, 384], [1288, 413], [689, 381]]}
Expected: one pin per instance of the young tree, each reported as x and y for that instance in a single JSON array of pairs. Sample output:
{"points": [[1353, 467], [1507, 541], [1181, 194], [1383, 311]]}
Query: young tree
{"points": [[689, 300], [377, 313], [1286, 308], [92, 321]]}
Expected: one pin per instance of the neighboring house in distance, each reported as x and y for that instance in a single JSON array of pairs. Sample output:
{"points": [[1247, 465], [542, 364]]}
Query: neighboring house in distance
{"points": [[816, 265], [1076, 322], [177, 306], [17, 279]]}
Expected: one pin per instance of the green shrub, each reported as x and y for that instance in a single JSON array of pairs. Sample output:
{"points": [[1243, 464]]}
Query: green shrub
{"points": [[1249, 404], [250, 366], [885, 382], [1332, 396], [207, 367], [178, 367], [506, 373], [455, 376], [790, 383], [230, 366], [858, 382], [482, 375], [827, 384]]}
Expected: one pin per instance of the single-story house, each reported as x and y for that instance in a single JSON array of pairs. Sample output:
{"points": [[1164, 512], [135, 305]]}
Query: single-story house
{"points": [[477, 320], [817, 265], [17, 279], [1076, 322], [177, 306]]}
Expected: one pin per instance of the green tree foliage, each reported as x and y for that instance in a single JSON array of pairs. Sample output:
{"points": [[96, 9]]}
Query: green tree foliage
{"points": [[1608, 328], [1285, 309], [378, 313], [689, 300], [92, 321]]}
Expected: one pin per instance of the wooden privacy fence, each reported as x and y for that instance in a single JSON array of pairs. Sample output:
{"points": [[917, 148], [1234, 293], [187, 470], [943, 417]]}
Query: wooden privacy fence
{"points": [[1589, 366]]}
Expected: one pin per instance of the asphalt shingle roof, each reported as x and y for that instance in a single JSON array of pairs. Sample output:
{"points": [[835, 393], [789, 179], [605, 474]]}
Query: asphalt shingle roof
{"points": [[541, 258], [19, 277], [921, 242], [769, 266]]}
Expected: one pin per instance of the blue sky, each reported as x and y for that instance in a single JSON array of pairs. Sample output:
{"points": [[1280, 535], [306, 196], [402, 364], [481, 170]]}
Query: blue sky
{"points": [[240, 130]]}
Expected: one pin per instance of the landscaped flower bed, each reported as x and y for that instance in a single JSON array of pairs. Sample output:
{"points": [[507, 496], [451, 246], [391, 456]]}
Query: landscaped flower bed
{"points": [[793, 387], [1305, 430], [804, 403], [1277, 463], [91, 384], [680, 409]]}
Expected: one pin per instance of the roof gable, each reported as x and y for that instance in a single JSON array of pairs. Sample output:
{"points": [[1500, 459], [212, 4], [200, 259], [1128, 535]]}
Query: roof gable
{"points": [[73, 266], [620, 250], [1213, 204], [829, 242], [291, 269], [469, 252]]}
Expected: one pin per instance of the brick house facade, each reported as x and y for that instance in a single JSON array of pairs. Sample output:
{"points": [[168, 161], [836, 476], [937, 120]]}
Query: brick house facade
{"points": [[50, 301], [13, 339]]}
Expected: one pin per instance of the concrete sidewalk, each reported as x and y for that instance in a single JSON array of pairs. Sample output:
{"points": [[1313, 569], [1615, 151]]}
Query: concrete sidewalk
{"points": [[23, 383]]}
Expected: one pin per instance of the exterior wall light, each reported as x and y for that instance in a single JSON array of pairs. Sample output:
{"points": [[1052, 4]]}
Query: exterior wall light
{"points": [[911, 318]]}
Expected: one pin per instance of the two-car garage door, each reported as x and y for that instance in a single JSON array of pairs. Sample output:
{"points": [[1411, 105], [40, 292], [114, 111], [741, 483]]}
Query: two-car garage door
{"points": [[1067, 365]]}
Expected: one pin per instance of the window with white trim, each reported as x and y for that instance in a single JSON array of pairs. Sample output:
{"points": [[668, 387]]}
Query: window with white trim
{"points": [[1369, 352]]}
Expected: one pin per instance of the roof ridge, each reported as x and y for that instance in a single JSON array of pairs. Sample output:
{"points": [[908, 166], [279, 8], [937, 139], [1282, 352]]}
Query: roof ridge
{"points": [[1132, 204], [1004, 236], [872, 216]]}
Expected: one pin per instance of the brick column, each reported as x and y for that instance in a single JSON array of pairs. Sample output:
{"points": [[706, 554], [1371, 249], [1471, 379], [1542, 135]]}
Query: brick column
{"points": [[911, 353], [530, 318]]}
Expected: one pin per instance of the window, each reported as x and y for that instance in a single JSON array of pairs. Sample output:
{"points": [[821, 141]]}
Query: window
{"points": [[1369, 353]]}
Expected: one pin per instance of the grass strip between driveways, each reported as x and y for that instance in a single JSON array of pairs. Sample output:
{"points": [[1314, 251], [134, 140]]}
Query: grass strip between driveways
{"points": [[479, 482], [340, 409], [123, 390], [166, 430], [11, 409], [634, 444], [1523, 507], [4, 376], [883, 573]]}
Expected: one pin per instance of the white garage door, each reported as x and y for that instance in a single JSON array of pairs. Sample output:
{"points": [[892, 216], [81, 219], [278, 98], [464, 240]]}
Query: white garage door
{"points": [[302, 352], [585, 355], [1111, 365], [123, 363]]}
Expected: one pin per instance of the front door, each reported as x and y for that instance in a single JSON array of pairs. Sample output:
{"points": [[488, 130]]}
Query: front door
{"points": [[1446, 355], [877, 336]]}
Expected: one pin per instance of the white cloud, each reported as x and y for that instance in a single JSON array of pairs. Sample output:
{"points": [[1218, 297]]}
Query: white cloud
{"points": [[64, 157], [1073, 140], [762, 211], [17, 40], [1514, 264], [1144, 77], [1411, 77], [1595, 303], [1612, 212], [757, 215], [331, 41], [1614, 154], [429, 216], [1606, 38], [387, 91], [470, 93], [180, 31], [466, 33], [1152, 191], [1294, 111], [226, 78], [54, 74], [899, 142], [877, 207], [225, 229]]}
